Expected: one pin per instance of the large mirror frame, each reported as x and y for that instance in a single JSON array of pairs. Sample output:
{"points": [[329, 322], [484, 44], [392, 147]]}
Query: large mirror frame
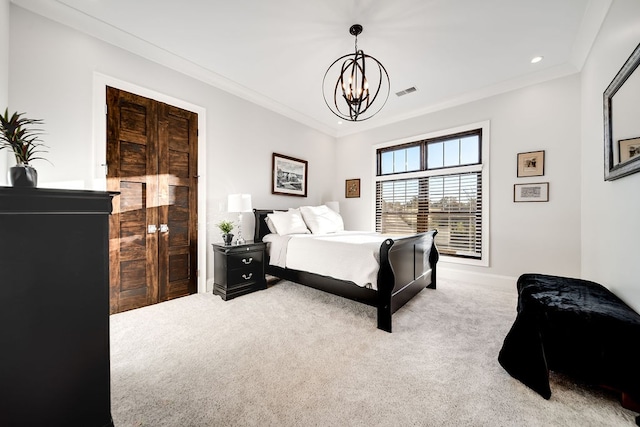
{"points": [[613, 167]]}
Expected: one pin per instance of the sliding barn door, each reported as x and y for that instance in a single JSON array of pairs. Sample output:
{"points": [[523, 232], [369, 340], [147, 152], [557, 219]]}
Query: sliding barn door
{"points": [[152, 163]]}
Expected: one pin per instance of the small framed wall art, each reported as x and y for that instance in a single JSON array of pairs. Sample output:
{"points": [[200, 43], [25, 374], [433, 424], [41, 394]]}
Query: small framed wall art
{"points": [[531, 163], [289, 176], [352, 188], [628, 149], [534, 192]]}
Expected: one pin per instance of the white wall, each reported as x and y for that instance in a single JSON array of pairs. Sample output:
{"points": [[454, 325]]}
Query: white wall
{"points": [[610, 210], [52, 72], [4, 76], [525, 237]]}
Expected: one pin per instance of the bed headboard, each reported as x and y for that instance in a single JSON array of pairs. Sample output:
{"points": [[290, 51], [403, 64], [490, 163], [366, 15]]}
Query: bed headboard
{"points": [[261, 228]]}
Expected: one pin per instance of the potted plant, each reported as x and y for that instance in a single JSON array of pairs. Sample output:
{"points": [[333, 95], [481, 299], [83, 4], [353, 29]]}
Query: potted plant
{"points": [[226, 227], [21, 135]]}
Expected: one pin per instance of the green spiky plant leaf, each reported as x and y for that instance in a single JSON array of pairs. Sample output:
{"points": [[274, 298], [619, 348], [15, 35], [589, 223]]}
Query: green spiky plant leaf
{"points": [[225, 226], [21, 135]]}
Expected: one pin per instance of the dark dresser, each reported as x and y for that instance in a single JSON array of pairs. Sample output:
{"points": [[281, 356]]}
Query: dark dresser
{"points": [[54, 307], [238, 269]]}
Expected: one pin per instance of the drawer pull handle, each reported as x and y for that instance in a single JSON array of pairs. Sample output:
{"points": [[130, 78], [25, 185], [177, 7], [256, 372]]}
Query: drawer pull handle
{"points": [[247, 277], [247, 261]]}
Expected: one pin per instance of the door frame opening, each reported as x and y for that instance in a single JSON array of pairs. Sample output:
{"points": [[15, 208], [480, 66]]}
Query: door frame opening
{"points": [[99, 144]]}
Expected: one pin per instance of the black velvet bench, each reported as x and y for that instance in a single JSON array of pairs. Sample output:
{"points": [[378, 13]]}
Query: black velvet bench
{"points": [[575, 327]]}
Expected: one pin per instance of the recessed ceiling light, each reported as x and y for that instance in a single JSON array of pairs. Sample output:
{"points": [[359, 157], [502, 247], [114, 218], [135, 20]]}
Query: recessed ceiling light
{"points": [[339, 122], [536, 59]]}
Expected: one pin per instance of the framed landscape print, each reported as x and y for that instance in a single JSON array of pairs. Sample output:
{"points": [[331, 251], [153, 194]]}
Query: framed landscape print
{"points": [[289, 176], [534, 192], [531, 163], [352, 188]]}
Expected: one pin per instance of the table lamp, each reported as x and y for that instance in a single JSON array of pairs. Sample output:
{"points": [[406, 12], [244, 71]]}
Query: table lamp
{"points": [[239, 203]]}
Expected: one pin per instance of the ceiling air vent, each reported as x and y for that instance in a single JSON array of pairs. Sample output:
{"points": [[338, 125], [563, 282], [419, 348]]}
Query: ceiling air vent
{"points": [[406, 91]]}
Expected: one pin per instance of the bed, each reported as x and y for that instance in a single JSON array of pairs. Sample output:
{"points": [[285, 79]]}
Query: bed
{"points": [[406, 266]]}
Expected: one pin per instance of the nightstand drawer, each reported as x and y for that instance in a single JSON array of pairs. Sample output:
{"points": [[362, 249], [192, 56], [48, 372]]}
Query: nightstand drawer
{"points": [[244, 275], [244, 260]]}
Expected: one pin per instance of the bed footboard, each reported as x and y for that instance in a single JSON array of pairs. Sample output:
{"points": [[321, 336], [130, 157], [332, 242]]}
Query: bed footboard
{"points": [[407, 265]]}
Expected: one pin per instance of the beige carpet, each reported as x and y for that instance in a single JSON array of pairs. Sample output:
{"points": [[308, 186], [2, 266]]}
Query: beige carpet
{"points": [[294, 356]]}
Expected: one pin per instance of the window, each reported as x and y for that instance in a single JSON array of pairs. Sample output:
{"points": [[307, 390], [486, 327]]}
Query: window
{"points": [[435, 183], [398, 160]]}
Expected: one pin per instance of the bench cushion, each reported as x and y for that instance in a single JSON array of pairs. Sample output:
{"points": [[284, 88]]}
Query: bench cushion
{"points": [[572, 326]]}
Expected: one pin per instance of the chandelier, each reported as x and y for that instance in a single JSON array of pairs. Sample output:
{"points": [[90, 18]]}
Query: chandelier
{"points": [[352, 95]]}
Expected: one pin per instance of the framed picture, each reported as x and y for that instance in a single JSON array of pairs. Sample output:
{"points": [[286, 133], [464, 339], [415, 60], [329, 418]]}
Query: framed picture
{"points": [[534, 192], [289, 176], [531, 163], [628, 149], [352, 188]]}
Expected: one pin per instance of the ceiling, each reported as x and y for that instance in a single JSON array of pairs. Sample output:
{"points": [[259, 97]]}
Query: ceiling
{"points": [[275, 53]]}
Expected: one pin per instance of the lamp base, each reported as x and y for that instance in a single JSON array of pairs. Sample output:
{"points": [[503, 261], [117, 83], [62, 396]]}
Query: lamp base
{"points": [[240, 240]]}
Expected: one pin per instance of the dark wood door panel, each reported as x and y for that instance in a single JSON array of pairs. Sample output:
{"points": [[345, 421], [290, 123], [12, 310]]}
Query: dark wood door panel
{"points": [[133, 275], [179, 216], [132, 200], [132, 161], [179, 128], [179, 263], [132, 166], [178, 166], [133, 246], [133, 114], [180, 276]]}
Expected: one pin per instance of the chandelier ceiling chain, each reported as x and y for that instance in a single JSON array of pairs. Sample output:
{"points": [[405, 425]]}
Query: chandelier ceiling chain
{"points": [[355, 30], [352, 95]]}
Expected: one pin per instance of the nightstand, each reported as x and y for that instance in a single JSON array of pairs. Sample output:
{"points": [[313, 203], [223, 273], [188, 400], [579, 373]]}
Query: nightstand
{"points": [[238, 269]]}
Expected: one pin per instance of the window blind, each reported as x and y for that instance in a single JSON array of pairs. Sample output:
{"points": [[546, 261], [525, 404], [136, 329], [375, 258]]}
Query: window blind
{"points": [[452, 204]]}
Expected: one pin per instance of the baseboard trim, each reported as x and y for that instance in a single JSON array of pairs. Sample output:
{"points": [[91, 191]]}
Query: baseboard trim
{"points": [[209, 287], [506, 283]]}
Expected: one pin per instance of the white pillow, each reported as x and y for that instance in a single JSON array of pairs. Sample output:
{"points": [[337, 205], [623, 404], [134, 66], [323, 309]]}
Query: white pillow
{"points": [[270, 225], [288, 223], [321, 219]]}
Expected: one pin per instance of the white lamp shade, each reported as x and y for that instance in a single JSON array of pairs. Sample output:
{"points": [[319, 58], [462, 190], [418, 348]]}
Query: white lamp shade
{"points": [[333, 205], [239, 203]]}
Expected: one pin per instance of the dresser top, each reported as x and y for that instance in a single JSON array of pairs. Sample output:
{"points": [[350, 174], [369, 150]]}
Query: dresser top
{"points": [[25, 200]]}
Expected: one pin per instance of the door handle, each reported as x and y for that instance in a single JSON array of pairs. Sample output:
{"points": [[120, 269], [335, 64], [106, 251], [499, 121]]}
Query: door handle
{"points": [[164, 228], [152, 228]]}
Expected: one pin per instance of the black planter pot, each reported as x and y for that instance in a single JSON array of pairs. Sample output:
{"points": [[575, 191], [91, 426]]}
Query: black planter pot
{"points": [[23, 176], [228, 237]]}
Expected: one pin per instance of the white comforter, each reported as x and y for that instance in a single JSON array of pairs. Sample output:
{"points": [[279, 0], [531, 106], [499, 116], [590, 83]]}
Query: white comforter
{"points": [[347, 255]]}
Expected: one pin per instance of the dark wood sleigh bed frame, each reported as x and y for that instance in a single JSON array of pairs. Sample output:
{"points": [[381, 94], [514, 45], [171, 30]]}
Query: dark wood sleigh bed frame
{"points": [[407, 265]]}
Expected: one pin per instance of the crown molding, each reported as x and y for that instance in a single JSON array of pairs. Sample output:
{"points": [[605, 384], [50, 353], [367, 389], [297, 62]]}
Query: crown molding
{"points": [[66, 15]]}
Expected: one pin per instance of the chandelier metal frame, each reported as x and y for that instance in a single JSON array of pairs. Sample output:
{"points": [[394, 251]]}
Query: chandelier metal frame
{"points": [[352, 97]]}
